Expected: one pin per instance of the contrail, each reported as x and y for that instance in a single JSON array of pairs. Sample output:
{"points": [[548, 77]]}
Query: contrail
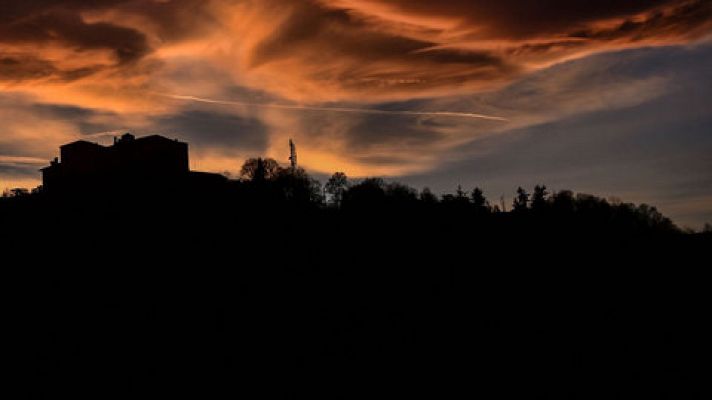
{"points": [[337, 109]]}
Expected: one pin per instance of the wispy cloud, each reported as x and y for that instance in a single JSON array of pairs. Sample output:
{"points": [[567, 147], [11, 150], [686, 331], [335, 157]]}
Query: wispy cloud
{"points": [[452, 114], [15, 160]]}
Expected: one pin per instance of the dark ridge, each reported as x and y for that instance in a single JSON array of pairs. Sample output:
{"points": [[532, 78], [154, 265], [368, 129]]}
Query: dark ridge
{"points": [[142, 279]]}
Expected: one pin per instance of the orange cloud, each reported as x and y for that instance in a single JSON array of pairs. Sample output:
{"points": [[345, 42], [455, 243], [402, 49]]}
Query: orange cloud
{"points": [[316, 51], [366, 50]]}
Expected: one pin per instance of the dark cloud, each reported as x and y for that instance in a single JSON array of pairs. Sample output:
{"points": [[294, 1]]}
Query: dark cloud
{"points": [[686, 19], [17, 171], [523, 19], [175, 19], [335, 33], [88, 121], [206, 129], [65, 26], [391, 160], [309, 24], [23, 67], [405, 133], [12, 11], [34, 28]]}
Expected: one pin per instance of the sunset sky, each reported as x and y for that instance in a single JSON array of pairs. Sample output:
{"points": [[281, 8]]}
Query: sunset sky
{"points": [[605, 96]]}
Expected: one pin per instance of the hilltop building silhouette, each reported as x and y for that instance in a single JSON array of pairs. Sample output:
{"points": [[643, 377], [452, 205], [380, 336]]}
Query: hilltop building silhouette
{"points": [[129, 162]]}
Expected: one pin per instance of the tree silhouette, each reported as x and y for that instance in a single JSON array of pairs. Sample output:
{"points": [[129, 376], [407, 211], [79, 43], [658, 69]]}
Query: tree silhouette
{"points": [[460, 195], [427, 196], [652, 218], [520, 200], [400, 195], [563, 201], [260, 169], [367, 194], [479, 202], [336, 186], [17, 192], [539, 198], [270, 189], [297, 187], [459, 200]]}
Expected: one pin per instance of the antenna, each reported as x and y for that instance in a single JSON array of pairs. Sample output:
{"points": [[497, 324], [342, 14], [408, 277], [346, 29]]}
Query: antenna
{"points": [[292, 154]]}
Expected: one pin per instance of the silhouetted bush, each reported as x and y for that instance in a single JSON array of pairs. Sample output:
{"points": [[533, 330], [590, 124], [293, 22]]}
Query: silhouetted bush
{"points": [[370, 193]]}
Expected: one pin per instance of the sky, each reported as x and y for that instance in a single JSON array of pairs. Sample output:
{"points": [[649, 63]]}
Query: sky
{"points": [[604, 96]]}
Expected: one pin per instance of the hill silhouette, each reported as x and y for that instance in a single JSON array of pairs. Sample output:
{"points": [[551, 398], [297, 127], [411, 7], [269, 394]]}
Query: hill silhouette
{"points": [[275, 286]]}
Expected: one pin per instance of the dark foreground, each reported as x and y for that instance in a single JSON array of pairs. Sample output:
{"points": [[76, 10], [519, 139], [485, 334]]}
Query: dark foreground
{"points": [[201, 299]]}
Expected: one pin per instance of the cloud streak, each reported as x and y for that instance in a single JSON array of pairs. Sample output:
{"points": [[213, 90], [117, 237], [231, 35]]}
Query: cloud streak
{"points": [[372, 111]]}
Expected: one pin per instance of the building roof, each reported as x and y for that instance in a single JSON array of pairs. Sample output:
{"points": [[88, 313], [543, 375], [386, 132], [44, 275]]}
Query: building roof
{"points": [[80, 143]]}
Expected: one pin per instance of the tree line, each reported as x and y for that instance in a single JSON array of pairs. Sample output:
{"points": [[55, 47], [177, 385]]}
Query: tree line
{"points": [[263, 182], [373, 194]]}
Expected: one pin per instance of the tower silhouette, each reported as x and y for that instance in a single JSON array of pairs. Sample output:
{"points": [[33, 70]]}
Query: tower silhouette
{"points": [[292, 154]]}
